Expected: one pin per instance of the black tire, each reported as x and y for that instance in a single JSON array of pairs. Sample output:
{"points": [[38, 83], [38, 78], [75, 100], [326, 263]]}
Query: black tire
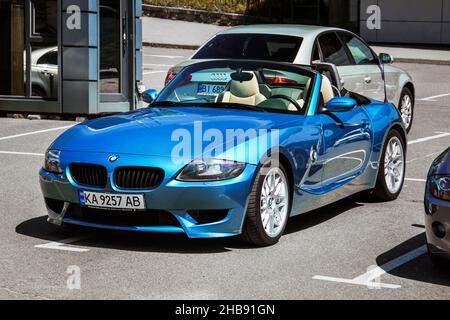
{"points": [[436, 260], [37, 92], [381, 191], [407, 92], [253, 230]]}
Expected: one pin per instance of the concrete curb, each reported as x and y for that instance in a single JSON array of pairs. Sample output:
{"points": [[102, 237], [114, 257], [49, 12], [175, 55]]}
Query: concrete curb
{"points": [[423, 61], [170, 45]]}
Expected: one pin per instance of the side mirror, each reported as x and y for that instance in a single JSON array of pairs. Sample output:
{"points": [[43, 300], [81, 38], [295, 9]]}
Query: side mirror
{"points": [[149, 95], [386, 58], [340, 104]]}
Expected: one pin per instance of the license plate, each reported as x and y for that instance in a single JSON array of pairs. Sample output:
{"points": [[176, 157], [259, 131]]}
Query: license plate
{"points": [[210, 89], [112, 200]]}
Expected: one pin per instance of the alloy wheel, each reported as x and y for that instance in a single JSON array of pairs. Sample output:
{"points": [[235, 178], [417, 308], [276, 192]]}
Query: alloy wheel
{"points": [[406, 110], [394, 167], [274, 202]]}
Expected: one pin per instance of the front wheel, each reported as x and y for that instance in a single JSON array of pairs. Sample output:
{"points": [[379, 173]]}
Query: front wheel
{"points": [[391, 172], [268, 208], [406, 108]]}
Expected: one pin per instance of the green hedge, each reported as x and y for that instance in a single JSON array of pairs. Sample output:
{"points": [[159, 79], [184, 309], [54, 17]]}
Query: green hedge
{"points": [[231, 6]]}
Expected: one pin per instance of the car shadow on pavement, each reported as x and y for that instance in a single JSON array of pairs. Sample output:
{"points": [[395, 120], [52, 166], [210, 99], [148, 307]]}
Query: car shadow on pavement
{"points": [[419, 269], [162, 242], [315, 217]]}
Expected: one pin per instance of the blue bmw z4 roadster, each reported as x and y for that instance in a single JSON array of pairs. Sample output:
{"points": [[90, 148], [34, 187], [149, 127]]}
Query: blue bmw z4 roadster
{"points": [[227, 148]]}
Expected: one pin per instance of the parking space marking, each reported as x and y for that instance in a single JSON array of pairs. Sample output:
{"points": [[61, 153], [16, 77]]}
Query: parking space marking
{"points": [[163, 56], [22, 153], [437, 136], [62, 245], [34, 132], [151, 72], [369, 278], [426, 156], [432, 98], [157, 64], [415, 179]]}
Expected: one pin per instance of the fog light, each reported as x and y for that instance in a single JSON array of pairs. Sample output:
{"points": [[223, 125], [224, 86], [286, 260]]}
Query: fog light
{"points": [[438, 229]]}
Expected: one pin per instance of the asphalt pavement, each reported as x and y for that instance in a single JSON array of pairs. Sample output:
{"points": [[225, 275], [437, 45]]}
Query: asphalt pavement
{"points": [[325, 254]]}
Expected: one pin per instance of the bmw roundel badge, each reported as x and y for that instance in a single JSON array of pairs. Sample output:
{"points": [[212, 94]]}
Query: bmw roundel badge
{"points": [[113, 158]]}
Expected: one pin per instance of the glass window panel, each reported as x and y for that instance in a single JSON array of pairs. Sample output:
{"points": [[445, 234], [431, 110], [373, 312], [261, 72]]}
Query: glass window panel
{"points": [[251, 46], [44, 17], [12, 47], [332, 50], [360, 52], [110, 46], [44, 72]]}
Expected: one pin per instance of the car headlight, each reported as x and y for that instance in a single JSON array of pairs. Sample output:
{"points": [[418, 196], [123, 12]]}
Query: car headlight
{"points": [[52, 163], [211, 170], [440, 187]]}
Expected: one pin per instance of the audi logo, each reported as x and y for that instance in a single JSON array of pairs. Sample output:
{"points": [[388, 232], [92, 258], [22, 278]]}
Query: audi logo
{"points": [[219, 76]]}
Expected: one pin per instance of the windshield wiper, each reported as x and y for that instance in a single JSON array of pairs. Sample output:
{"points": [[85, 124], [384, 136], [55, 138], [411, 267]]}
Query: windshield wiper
{"points": [[165, 104]]}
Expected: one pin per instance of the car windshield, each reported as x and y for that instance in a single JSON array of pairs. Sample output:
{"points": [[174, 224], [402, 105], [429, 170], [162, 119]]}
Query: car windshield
{"points": [[251, 46], [241, 84]]}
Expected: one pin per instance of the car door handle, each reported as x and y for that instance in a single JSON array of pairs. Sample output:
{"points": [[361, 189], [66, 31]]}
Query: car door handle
{"points": [[368, 79]]}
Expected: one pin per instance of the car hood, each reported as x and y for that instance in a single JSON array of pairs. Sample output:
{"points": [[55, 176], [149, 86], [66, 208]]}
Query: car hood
{"points": [[156, 131]]}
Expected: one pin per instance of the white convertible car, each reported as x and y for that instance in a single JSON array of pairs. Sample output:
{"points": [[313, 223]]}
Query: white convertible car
{"points": [[360, 69]]}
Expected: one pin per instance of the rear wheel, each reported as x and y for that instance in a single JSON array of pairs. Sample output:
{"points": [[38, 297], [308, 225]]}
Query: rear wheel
{"points": [[38, 92], [268, 208], [406, 108], [391, 172]]}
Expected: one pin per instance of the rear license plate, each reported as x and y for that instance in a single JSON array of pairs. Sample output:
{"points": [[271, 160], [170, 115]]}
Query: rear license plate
{"points": [[210, 89], [112, 200]]}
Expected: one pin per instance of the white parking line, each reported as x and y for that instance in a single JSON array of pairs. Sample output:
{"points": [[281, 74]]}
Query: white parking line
{"points": [[151, 72], [22, 153], [61, 245], [157, 64], [369, 278], [415, 179], [34, 132], [437, 136], [426, 156], [432, 98], [163, 56]]}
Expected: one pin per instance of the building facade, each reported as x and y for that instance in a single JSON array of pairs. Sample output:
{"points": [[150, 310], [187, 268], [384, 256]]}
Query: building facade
{"points": [[406, 21], [70, 56], [378, 21]]}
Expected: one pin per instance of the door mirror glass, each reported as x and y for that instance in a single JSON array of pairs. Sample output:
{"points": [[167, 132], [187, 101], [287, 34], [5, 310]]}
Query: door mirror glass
{"points": [[386, 58], [149, 95], [340, 104]]}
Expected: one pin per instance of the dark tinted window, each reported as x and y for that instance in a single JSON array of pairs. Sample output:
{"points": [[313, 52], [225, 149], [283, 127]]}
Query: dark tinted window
{"points": [[332, 50], [49, 58], [359, 50], [315, 55], [251, 46]]}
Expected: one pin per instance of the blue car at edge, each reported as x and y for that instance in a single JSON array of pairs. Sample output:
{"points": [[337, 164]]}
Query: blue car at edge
{"points": [[229, 147]]}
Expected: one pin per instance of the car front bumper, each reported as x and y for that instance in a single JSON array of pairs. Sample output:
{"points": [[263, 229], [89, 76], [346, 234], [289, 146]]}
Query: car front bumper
{"points": [[437, 212], [177, 198]]}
